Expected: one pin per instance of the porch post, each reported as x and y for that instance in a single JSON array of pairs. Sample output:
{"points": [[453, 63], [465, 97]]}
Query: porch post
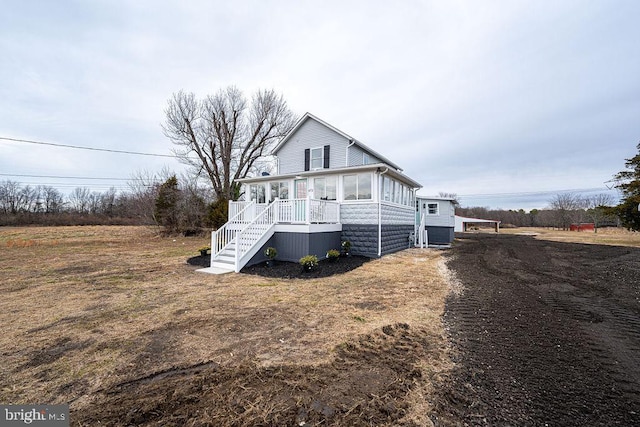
{"points": [[308, 209]]}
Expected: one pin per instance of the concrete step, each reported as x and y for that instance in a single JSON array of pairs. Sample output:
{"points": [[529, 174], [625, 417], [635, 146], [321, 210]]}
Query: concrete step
{"points": [[217, 269]]}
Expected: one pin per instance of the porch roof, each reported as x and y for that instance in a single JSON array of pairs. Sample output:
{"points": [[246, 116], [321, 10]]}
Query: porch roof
{"points": [[382, 168]]}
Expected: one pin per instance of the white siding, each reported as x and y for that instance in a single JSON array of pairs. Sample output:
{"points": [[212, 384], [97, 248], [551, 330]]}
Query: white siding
{"points": [[446, 213], [359, 213], [311, 134], [355, 156], [397, 215]]}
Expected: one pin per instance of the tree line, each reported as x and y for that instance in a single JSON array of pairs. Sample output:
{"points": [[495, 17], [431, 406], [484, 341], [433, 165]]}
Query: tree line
{"points": [[145, 203], [564, 209]]}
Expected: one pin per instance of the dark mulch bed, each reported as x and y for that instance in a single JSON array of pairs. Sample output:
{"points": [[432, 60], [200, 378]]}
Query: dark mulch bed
{"points": [[293, 270]]}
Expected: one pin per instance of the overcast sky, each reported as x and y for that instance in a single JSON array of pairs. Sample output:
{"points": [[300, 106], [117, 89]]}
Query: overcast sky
{"points": [[505, 103]]}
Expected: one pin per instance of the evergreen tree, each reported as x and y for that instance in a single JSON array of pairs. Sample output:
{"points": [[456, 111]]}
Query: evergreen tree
{"points": [[629, 185], [166, 206]]}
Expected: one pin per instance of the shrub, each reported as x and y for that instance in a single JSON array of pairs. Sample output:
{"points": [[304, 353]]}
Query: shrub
{"points": [[271, 252], [333, 255], [346, 246], [217, 213], [309, 262]]}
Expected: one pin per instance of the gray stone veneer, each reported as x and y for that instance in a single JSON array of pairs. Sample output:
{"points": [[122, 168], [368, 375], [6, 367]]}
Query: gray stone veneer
{"points": [[363, 238], [395, 238]]}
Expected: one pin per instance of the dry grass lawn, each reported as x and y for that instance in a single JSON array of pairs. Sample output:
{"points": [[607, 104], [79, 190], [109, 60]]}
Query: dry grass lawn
{"points": [[604, 236], [84, 309]]}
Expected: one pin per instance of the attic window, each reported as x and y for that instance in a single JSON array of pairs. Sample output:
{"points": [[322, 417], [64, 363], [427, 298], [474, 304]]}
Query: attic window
{"points": [[317, 159], [365, 159]]}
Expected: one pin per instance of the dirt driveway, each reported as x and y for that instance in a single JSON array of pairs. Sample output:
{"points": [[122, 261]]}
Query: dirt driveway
{"points": [[545, 333]]}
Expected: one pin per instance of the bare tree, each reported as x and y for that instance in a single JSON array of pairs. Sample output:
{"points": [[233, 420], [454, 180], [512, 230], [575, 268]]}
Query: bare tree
{"points": [[453, 196], [598, 207], [80, 199], [222, 136], [565, 206], [9, 196], [51, 199]]}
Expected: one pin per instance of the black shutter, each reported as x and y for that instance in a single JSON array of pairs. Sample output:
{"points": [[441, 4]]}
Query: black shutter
{"points": [[326, 156], [307, 159]]}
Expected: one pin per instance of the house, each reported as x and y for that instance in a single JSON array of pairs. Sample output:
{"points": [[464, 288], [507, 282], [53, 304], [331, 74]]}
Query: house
{"points": [[436, 215], [328, 187]]}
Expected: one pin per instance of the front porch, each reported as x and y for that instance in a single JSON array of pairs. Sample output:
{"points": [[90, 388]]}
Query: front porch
{"points": [[252, 225], [289, 211]]}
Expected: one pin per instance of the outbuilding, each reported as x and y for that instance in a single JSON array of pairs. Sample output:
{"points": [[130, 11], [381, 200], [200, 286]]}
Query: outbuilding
{"points": [[463, 223], [436, 216]]}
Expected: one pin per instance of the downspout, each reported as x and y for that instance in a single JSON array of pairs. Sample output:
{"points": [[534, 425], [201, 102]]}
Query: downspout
{"points": [[380, 210], [346, 156]]}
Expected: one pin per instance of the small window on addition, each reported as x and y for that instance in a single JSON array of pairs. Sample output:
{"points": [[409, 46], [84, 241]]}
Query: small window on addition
{"points": [[432, 208]]}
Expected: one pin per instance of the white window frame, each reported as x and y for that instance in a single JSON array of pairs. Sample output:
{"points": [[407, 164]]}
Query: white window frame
{"points": [[255, 194], [280, 186], [323, 195], [366, 158], [321, 158], [357, 176], [386, 188], [437, 205]]}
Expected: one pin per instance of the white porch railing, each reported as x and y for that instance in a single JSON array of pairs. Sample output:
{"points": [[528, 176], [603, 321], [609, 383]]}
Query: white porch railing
{"points": [[236, 208], [422, 239], [247, 238], [223, 236], [292, 211]]}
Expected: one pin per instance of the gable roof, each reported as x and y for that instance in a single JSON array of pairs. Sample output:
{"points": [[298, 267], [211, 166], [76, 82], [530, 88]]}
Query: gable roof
{"points": [[309, 116]]}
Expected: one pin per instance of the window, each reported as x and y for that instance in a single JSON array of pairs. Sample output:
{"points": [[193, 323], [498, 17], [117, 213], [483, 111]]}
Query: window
{"points": [[397, 191], [257, 193], [432, 209], [325, 188], [386, 189], [279, 189], [365, 159], [317, 159], [357, 187]]}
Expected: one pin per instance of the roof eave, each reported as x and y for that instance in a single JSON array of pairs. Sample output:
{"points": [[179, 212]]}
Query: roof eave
{"points": [[380, 167]]}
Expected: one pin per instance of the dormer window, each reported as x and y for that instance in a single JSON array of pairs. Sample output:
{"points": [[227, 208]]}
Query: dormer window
{"points": [[317, 160]]}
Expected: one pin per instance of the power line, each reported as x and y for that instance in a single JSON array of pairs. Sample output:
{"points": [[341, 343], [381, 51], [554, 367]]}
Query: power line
{"points": [[78, 177], [79, 147], [532, 193]]}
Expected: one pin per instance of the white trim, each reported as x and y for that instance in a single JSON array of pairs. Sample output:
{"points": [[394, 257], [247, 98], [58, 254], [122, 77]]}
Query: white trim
{"points": [[311, 168], [437, 209], [371, 187], [307, 228], [346, 170]]}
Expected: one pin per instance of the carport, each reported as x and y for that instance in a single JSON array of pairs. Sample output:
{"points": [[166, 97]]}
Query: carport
{"points": [[462, 222]]}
